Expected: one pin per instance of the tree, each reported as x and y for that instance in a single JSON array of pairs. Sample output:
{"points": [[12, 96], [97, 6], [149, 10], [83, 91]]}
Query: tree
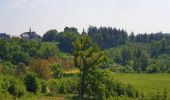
{"points": [[117, 56], [50, 36], [107, 37], [41, 68], [18, 56], [31, 83], [87, 56], [66, 39], [141, 60], [132, 37]]}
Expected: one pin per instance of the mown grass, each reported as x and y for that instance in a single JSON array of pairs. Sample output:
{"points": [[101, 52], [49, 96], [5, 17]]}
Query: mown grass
{"points": [[146, 83]]}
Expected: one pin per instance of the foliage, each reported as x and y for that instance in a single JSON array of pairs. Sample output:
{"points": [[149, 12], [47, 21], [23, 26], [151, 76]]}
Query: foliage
{"points": [[66, 39], [102, 86], [9, 84], [163, 95], [50, 36], [41, 67], [86, 57], [17, 88], [20, 69], [32, 83], [146, 84], [107, 37], [66, 62], [67, 85], [16, 50], [57, 71]]}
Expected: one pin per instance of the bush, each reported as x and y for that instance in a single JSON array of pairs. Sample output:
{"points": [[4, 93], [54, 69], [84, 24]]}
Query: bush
{"points": [[17, 88], [20, 70], [118, 68], [67, 85], [160, 95], [102, 86], [57, 71], [12, 85], [41, 67], [7, 68], [131, 91], [53, 86], [32, 83], [153, 69]]}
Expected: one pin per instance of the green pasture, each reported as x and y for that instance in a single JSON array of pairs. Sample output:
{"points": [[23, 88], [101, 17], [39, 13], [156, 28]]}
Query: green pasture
{"points": [[146, 83]]}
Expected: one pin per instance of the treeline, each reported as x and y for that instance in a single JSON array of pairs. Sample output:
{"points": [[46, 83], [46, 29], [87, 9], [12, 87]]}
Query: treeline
{"points": [[16, 50], [33, 66], [105, 37], [141, 52], [151, 57]]}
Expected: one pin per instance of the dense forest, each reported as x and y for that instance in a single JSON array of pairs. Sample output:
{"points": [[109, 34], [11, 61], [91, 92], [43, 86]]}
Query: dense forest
{"points": [[42, 67], [141, 52]]}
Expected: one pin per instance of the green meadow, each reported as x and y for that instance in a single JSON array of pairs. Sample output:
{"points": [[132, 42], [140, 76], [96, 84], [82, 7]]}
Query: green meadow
{"points": [[146, 83]]}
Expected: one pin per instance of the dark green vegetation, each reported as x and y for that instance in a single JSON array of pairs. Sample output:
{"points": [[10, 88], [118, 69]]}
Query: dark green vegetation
{"points": [[39, 68]]}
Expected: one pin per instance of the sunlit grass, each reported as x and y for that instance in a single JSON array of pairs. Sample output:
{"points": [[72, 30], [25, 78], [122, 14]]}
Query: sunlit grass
{"points": [[146, 83], [74, 71]]}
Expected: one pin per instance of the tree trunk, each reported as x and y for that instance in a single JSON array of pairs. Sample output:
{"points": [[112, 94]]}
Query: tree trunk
{"points": [[81, 94]]}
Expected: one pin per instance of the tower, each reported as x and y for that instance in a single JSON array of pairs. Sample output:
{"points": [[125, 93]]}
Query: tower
{"points": [[30, 30]]}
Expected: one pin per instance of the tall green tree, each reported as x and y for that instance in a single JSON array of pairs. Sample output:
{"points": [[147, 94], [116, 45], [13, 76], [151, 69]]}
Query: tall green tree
{"points": [[87, 56], [50, 35], [66, 39]]}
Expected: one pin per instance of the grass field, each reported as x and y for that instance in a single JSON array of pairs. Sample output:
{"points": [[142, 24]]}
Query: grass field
{"points": [[146, 83]]}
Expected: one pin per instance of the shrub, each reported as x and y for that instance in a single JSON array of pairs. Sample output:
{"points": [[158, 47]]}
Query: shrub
{"points": [[57, 71], [41, 67], [20, 70], [68, 86], [65, 85], [153, 69], [102, 86], [31, 82], [7, 68], [130, 91], [12, 85], [17, 88], [54, 86], [118, 68]]}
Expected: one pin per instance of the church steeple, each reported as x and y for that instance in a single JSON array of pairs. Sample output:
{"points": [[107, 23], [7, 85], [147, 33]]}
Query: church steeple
{"points": [[83, 32], [30, 30]]}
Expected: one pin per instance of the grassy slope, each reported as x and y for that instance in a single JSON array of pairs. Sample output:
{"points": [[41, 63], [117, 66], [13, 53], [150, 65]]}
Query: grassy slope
{"points": [[147, 83]]}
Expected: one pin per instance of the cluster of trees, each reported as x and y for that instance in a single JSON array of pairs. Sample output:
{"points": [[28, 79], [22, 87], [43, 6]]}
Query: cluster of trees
{"points": [[150, 57], [42, 74], [16, 50], [95, 84], [141, 52], [37, 66], [107, 37], [64, 38], [148, 38]]}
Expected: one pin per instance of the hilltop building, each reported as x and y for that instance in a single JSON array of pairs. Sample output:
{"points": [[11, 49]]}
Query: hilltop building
{"points": [[30, 35]]}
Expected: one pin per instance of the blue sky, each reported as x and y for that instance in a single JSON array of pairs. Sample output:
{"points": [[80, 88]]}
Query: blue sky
{"points": [[17, 16]]}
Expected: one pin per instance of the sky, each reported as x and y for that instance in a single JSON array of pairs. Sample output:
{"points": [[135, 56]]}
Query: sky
{"points": [[139, 16]]}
